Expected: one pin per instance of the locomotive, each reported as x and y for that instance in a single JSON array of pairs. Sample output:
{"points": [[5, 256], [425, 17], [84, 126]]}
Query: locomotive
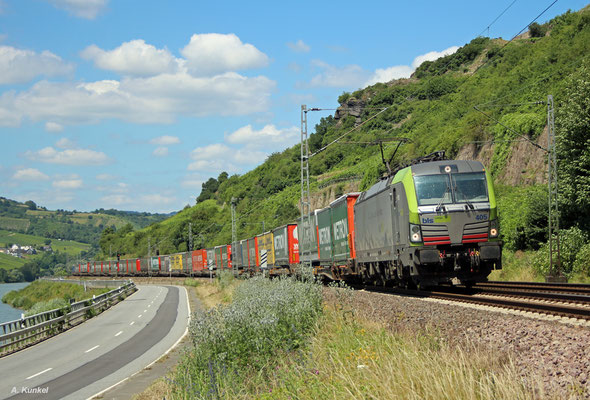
{"points": [[430, 223]]}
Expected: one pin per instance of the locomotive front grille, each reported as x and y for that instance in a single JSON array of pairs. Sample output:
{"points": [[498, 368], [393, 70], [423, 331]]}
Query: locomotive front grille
{"points": [[476, 232], [435, 234]]}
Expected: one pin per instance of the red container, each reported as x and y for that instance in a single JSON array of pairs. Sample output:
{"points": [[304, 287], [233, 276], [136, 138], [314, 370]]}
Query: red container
{"points": [[293, 244]]}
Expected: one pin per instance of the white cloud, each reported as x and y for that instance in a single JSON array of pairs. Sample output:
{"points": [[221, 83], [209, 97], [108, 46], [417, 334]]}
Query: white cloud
{"points": [[53, 127], [68, 156], [299, 47], [220, 157], [212, 53], [264, 137], [65, 143], [88, 9], [405, 71], [192, 182], [160, 152], [132, 58], [114, 200], [165, 140], [118, 188], [30, 174], [20, 66], [158, 99], [157, 199], [349, 76], [105, 177], [433, 55], [72, 183], [212, 151]]}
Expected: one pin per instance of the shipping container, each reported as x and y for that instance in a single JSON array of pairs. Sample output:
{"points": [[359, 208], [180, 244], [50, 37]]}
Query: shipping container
{"points": [[253, 258], [244, 252], [266, 250], [342, 215], [281, 246], [308, 240], [218, 258], [199, 260], [211, 259], [325, 236]]}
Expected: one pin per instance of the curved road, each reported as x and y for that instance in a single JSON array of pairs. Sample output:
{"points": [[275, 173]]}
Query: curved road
{"points": [[101, 352]]}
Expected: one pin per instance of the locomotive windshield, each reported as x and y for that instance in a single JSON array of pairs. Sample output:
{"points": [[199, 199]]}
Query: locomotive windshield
{"points": [[456, 188]]}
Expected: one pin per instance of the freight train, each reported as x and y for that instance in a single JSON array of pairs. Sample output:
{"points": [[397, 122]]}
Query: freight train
{"points": [[430, 223]]}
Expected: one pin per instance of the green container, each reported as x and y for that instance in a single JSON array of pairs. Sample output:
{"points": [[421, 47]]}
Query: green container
{"points": [[325, 235], [281, 246], [339, 214]]}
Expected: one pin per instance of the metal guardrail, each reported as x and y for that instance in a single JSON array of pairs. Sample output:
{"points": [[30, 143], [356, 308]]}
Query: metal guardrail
{"points": [[18, 334], [94, 283]]}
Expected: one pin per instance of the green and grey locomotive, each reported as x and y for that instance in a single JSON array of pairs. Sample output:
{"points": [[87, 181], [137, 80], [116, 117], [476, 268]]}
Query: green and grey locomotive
{"points": [[431, 223]]}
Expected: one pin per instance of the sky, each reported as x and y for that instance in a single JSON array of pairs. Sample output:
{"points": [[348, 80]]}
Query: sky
{"points": [[133, 104]]}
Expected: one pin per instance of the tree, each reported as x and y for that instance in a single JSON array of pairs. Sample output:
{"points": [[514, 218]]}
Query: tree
{"points": [[573, 146], [536, 30], [31, 204]]}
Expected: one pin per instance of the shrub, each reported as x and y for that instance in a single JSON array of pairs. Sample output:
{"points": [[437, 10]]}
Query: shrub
{"points": [[266, 317], [48, 305], [572, 241]]}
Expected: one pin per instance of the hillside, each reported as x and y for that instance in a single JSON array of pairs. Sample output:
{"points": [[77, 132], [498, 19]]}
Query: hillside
{"points": [[433, 110], [85, 227], [70, 234]]}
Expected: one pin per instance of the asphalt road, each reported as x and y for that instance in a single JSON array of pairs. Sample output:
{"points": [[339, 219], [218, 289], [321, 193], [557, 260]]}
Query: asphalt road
{"points": [[101, 352]]}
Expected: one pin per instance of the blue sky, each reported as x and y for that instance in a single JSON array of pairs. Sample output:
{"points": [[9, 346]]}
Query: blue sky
{"points": [[133, 104]]}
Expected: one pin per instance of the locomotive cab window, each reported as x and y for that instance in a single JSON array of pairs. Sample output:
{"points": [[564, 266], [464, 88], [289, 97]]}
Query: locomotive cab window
{"points": [[470, 187], [433, 190], [451, 188]]}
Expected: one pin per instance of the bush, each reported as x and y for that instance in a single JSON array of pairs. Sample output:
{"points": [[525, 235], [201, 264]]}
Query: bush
{"points": [[572, 241], [537, 30], [266, 317], [582, 264], [47, 306]]}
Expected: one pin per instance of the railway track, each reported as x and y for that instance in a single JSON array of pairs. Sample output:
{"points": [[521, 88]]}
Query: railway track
{"points": [[569, 301]]}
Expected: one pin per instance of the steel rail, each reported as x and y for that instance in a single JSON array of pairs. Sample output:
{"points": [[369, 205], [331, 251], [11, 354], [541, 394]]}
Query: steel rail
{"points": [[524, 304]]}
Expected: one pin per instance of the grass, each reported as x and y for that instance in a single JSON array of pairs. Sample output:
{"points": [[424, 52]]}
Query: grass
{"points": [[68, 246], [517, 266], [352, 358], [342, 356], [44, 291], [9, 262]]}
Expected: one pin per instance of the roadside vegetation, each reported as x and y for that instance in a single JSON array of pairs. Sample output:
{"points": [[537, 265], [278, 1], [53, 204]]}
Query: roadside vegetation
{"points": [[285, 339], [42, 296]]}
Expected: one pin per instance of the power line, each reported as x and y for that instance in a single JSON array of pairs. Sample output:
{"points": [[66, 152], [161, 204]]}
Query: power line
{"points": [[349, 131], [498, 17], [515, 36]]}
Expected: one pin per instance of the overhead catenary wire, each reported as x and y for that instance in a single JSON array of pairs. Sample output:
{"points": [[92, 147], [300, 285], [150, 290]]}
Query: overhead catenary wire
{"points": [[497, 18], [349, 131]]}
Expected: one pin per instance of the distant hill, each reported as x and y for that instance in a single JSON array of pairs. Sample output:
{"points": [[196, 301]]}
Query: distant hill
{"points": [[68, 234], [85, 227], [433, 110]]}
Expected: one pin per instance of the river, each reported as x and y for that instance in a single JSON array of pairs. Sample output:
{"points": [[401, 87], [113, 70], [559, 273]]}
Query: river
{"points": [[8, 313]]}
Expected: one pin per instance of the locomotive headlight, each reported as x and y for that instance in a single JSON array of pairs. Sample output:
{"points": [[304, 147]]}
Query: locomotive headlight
{"points": [[494, 230], [415, 235]]}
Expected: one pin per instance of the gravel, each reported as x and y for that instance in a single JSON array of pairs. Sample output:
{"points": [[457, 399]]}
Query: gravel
{"points": [[557, 353]]}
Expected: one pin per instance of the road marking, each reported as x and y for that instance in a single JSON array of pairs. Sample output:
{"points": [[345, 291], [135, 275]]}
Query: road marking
{"points": [[39, 373], [132, 322], [145, 310], [95, 347], [118, 333], [149, 305], [139, 316]]}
